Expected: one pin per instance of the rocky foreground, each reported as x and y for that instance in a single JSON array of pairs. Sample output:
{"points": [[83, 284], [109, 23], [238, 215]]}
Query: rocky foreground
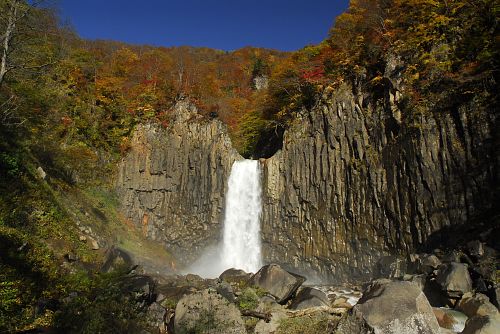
{"points": [[444, 292]]}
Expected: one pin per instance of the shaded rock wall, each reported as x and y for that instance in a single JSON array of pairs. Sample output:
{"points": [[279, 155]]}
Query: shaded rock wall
{"points": [[356, 180], [172, 182]]}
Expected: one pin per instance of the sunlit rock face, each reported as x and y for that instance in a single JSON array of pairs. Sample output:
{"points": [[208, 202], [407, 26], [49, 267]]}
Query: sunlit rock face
{"points": [[172, 182], [355, 180]]}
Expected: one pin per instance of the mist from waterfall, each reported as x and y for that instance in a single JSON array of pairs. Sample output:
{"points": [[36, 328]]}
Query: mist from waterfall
{"points": [[241, 245]]}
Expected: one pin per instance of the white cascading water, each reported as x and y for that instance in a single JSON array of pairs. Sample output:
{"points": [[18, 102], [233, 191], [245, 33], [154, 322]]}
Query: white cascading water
{"points": [[241, 246]]}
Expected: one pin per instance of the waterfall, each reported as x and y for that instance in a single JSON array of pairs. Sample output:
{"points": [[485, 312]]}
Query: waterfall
{"points": [[241, 246]]}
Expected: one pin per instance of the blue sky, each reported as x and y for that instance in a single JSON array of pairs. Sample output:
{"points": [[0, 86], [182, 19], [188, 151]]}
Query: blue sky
{"points": [[222, 24]]}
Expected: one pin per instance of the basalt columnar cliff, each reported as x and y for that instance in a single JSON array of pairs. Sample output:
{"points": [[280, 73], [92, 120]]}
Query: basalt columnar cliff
{"points": [[355, 180], [173, 181]]}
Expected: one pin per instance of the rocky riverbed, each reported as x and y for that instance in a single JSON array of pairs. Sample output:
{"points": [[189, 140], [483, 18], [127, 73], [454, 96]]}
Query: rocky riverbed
{"points": [[442, 292]]}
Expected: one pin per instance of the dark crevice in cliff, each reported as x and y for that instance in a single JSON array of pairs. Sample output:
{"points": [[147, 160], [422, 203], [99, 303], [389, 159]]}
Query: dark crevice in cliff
{"points": [[270, 141]]}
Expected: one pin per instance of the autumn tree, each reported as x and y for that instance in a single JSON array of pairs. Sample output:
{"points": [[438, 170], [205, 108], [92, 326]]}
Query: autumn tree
{"points": [[28, 44], [21, 25]]}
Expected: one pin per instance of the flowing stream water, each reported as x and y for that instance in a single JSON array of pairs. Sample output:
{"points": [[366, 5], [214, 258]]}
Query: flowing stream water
{"points": [[241, 247]]}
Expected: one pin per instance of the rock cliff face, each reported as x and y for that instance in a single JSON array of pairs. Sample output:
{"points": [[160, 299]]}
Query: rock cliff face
{"points": [[356, 180], [172, 182]]}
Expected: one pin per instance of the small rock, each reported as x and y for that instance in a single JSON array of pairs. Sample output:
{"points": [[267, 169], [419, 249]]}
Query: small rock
{"points": [[94, 244], [71, 257], [83, 238], [41, 173]]}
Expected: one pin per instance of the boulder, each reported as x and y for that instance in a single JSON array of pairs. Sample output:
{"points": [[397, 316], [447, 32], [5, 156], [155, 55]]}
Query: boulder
{"points": [[71, 257], [428, 263], [117, 258], [390, 266], [475, 248], [155, 317], [420, 280], [454, 279], [267, 304], [435, 295], [390, 307], [341, 303], [235, 276], [451, 256], [309, 297], [278, 282], [225, 290], [496, 295], [270, 327], [476, 304], [143, 285], [423, 263], [489, 324], [207, 312]]}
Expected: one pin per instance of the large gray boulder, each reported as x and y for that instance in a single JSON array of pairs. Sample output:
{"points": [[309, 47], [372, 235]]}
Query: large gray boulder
{"points": [[454, 279], [207, 312], [309, 297], [277, 281], [390, 307]]}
